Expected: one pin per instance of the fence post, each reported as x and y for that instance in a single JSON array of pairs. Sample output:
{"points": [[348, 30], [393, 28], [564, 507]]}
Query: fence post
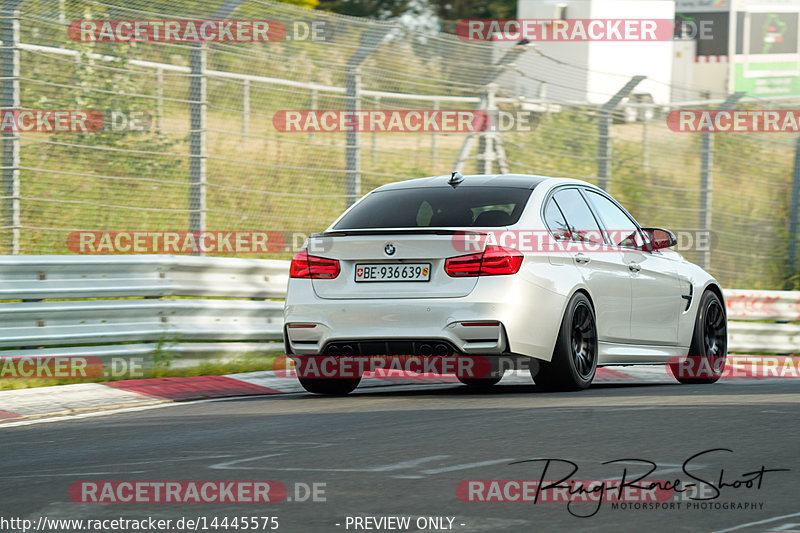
{"points": [[604, 132], [645, 155], [245, 110], [433, 138], [706, 166], [373, 157], [794, 219], [369, 42], [197, 159], [198, 98], [466, 146], [9, 101], [486, 141], [706, 163], [312, 106], [159, 99], [352, 151]]}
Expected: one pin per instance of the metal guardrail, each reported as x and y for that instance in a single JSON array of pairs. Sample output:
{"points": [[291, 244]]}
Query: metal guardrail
{"points": [[180, 304], [186, 305], [761, 321]]}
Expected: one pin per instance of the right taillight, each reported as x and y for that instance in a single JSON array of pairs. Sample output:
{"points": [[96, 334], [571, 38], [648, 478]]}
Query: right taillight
{"points": [[494, 261], [310, 266]]}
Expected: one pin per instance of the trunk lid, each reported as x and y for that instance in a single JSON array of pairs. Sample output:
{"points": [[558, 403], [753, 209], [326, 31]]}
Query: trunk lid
{"points": [[369, 247]]}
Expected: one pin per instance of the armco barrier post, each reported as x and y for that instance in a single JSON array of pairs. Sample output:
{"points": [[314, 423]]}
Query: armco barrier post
{"points": [[604, 132], [9, 101]]}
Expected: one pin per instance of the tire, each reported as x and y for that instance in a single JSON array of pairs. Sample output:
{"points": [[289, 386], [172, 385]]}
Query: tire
{"points": [[574, 361], [329, 386], [709, 345]]}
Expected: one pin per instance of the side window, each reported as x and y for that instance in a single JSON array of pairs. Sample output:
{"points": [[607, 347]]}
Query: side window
{"points": [[619, 228], [555, 221], [580, 219]]}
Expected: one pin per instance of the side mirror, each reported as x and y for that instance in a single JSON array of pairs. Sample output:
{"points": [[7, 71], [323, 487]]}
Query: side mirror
{"points": [[660, 238]]}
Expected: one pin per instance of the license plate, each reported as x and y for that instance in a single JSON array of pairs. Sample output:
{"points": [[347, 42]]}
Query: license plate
{"points": [[393, 272]]}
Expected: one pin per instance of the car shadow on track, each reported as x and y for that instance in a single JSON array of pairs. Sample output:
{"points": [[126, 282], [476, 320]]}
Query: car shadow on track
{"points": [[458, 390]]}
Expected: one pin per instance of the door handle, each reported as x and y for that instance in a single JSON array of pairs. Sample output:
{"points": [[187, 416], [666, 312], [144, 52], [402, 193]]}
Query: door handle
{"points": [[581, 259], [633, 267]]}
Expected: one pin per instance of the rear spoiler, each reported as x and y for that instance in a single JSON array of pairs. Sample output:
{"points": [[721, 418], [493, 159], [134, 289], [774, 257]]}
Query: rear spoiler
{"points": [[387, 231]]}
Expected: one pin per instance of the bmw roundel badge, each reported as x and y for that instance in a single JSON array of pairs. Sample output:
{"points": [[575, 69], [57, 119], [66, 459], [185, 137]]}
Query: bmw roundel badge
{"points": [[389, 248]]}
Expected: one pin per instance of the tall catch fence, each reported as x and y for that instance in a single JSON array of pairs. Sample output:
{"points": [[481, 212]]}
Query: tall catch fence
{"points": [[189, 142]]}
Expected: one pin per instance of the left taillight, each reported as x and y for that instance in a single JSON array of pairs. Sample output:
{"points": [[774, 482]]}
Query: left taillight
{"points": [[494, 261], [311, 266]]}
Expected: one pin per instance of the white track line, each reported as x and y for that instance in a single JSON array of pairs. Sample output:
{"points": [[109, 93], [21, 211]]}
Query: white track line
{"points": [[749, 524]]}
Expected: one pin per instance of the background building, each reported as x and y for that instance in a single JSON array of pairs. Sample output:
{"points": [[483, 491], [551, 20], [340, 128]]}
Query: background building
{"points": [[720, 46], [755, 45], [591, 71]]}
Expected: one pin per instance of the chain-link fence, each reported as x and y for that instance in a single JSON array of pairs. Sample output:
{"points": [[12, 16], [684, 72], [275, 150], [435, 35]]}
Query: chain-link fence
{"points": [[209, 154]]}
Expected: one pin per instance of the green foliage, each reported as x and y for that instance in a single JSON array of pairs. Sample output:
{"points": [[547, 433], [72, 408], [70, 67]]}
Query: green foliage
{"points": [[449, 12], [562, 144], [111, 85], [195, 8], [380, 9]]}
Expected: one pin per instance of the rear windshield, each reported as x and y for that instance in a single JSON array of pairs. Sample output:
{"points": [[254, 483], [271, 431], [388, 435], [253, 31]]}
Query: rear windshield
{"points": [[437, 207]]}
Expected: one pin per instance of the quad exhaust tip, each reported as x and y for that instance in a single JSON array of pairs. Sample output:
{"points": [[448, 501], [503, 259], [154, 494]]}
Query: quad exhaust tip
{"points": [[442, 350], [424, 349]]}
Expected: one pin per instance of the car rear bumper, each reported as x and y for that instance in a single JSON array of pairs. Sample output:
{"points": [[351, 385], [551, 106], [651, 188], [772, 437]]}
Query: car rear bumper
{"points": [[497, 318], [311, 328]]}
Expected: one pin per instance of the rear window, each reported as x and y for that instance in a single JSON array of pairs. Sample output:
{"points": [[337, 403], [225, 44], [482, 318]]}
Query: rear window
{"points": [[437, 207]]}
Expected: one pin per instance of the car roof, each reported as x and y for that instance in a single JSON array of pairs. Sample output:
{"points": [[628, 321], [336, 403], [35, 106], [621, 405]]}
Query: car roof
{"points": [[517, 181]]}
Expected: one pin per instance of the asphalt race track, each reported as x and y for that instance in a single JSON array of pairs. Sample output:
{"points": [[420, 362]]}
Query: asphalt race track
{"points": [[402, 451]]}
